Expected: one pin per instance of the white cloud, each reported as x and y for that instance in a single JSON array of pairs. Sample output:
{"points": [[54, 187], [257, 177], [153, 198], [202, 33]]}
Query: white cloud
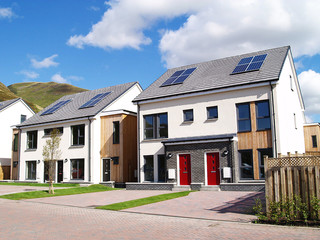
{"points": [[213, 29], [29, 74], [45, 63], [6, 13], [310, 87], [94, 8], [75, 78], [58, 78], [123, 23]]}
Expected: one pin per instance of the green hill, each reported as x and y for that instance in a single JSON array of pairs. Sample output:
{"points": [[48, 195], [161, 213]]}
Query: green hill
{"points": [[43, 93], [6, 94]]}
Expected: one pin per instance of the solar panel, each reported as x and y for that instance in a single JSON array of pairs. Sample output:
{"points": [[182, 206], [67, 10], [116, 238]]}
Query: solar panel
{"points": [[55, 107], [178, 77], [249, 64], [93, 101]]}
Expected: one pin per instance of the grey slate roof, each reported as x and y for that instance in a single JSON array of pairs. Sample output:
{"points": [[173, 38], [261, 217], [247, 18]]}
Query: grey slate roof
{"points": [[216, 74], [71, 110], [5, 104]]}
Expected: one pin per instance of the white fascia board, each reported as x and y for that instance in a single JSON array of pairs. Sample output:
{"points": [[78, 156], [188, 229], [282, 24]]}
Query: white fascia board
{"points": [[57, 122], [115, 112], [227, 89]]}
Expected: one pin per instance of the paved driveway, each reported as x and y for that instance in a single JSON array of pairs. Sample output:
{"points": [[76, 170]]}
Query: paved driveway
{"points": [[8, 189]]}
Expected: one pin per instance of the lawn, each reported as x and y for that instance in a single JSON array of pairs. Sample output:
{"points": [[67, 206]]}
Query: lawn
{"points": [[143, 201], [40, 184], [57, 192]]}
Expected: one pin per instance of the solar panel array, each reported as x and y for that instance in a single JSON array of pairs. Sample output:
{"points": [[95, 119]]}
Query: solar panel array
{"points": [[56, 107], [250, 64], [178, 77], [93, 101]]}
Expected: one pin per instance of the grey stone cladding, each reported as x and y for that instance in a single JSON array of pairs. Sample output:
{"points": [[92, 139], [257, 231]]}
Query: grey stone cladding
{"points": [[197, 153], [254, 187], [149, 186]]}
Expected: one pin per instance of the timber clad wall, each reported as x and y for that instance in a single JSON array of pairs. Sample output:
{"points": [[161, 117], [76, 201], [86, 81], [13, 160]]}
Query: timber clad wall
{"points": [[254, 140], [126, 150], [309, 131]]}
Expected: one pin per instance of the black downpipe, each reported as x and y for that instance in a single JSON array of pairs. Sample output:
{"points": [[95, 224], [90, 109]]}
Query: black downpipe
{"points": [[138, 135], [89, 150]]}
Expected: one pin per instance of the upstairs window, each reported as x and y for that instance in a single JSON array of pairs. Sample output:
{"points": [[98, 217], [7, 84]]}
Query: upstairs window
{"points": [[263, 115], [156, 126], [212, 112], [23, 118], [243, 117], [314, 141], [116, 132], [77, 135], [188, 115], [15, 142], [32, 139]]}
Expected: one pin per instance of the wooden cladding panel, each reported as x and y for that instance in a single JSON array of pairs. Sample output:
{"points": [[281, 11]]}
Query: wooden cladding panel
{"points": [[126, 150], [310, 131], [15, 157], [254, 140]]}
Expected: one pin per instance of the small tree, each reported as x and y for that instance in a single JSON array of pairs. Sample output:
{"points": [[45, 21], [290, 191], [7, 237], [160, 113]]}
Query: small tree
{"points": [[51, 153]]}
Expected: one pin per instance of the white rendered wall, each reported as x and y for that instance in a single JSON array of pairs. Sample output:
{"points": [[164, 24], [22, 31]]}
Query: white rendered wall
{"points": [[67, 150], [290, 138], [10, 116], [225, 124]]}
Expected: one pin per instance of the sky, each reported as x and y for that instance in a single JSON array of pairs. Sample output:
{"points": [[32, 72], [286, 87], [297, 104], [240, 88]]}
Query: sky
{"points": [[94, 44]]}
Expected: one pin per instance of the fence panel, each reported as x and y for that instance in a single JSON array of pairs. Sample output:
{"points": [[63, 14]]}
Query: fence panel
{"points": [[291, 175]]}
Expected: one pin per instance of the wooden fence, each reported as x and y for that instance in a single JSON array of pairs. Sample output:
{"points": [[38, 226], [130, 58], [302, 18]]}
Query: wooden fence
{"points": [[287, 176]]}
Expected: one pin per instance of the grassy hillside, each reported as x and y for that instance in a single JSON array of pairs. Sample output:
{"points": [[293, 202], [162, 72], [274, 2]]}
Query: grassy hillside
{"points": [[6, 94], [43, 93]]}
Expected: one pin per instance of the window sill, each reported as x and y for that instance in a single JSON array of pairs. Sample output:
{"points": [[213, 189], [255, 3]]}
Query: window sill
{"points": [[31, 150], [211, 119], [153, 140], [187, 122], [76, 146]]}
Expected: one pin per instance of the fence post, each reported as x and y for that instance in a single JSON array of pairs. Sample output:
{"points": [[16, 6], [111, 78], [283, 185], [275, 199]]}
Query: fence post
{"points": [[267, 172]]}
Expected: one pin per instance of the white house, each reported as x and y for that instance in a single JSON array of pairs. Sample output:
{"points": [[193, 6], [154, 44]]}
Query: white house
{"points": [[211, 123], [12, 112], [80, 121]]}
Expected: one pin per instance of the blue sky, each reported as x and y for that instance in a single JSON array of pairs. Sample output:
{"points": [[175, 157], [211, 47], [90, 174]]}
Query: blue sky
{"points": [[92, 44]]}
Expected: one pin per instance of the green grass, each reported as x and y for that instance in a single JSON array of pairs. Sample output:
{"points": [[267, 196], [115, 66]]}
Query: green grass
{"points": [[57, 192], [143, 201], [40, 184]]}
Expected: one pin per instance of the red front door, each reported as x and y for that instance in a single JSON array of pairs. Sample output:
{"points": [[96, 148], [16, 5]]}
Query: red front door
{"points": [[185, 173], [213, 172]]}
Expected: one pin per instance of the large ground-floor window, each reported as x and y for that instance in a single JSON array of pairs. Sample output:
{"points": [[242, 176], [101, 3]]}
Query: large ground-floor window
{"points": [[31, 170], [246, 164], [77, 169], [148, 168]]}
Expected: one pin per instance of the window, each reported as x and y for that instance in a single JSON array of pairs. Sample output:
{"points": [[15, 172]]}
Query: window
{"points": [[161, 168], [32, 139], [156, 126], [116, 132], [115, 160], [77, 169], [148, 168], [246, 164], [243, 117], [48, 131], [212, 112], [263, 152], [31, 170], [314, 141], [295, 121], [15, 142], [263, 115], [188, 115], [77, 134], [23, 118]]}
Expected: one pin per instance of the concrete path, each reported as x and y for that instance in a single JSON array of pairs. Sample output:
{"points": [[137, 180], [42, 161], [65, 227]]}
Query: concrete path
{"points": [[29, 220]]}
